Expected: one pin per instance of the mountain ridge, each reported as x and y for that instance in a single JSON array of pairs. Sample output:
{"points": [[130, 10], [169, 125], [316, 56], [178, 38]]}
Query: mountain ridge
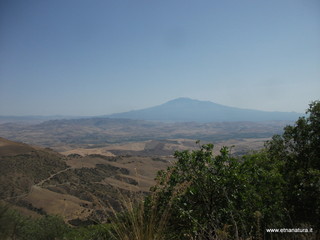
{"points": [[181, 109], [191, 110]]}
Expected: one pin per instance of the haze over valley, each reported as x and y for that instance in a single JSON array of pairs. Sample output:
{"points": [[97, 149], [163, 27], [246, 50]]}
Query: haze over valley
{"points": [[181, 118]]}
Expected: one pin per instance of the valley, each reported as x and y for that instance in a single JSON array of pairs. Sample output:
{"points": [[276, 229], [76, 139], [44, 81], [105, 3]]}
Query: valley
{"points": [[59, 134], [82, 168]]}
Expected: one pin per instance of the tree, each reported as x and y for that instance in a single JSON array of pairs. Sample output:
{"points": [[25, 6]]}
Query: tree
{"points": [[11, 223], [220, 196], [15, 226], [47, 227], [299, 150]]}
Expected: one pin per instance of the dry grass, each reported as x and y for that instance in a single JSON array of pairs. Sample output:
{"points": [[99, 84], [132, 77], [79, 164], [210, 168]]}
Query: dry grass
{"points": [[9, 148], [168, 147], [141, 221], [58, 204]]}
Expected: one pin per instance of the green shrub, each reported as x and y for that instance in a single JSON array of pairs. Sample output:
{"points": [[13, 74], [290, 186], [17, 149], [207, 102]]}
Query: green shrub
{"points": [[220, 196]]}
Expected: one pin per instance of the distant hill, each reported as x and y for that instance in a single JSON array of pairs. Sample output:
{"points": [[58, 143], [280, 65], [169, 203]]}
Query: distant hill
{"points": [[190, 110], [58, 134], [33, 119]]}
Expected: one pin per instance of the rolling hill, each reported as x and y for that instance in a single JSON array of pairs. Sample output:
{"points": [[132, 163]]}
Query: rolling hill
{"points": [[190, 110], [38, 181]]}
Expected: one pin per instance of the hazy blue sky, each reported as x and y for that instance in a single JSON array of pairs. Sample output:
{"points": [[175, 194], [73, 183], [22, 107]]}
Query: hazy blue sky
{"points": [[91, 57]]}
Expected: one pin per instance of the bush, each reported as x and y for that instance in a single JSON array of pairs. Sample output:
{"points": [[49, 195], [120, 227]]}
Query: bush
{"points": [[222, 196], [47, 227], [299, 150], [15, 226]]}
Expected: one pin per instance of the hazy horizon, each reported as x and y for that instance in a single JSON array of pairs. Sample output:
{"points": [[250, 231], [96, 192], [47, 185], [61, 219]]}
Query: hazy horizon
{"points": [[92, 58], [61, 115]]}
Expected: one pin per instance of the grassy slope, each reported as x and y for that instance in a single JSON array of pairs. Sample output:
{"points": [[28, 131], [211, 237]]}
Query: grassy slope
{"points": [[41, 181]]}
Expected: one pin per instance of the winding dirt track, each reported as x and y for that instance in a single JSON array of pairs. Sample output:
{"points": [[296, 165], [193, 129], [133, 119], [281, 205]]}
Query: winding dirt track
{"points": [[37, 185], [51, 176]]}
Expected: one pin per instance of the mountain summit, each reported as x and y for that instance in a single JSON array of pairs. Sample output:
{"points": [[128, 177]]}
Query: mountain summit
{"points": [[190, 110]]}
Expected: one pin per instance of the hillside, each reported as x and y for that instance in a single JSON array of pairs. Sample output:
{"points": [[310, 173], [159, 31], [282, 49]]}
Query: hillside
{"points": [[39, 181], [190, 110], [23, 166]]}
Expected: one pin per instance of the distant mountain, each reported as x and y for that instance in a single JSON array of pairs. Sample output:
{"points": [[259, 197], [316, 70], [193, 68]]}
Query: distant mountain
{"points": [[190, 110]]}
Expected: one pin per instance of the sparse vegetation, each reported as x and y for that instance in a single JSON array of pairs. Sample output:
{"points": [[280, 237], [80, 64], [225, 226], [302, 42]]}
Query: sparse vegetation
{"points": [[14, 178]]}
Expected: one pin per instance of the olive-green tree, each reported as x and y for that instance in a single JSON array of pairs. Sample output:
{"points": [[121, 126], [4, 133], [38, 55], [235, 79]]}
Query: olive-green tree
{"points": [[299, 150], [47, 227], [11, 223], [220, 197]]}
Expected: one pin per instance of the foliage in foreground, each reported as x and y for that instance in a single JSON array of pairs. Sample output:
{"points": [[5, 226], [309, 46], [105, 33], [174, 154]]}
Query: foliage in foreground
{"points": [[299, 150], [225, 198], [15, 226]]}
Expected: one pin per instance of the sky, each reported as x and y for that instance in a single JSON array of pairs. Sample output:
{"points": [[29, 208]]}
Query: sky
{"points": [[88, 58]]}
